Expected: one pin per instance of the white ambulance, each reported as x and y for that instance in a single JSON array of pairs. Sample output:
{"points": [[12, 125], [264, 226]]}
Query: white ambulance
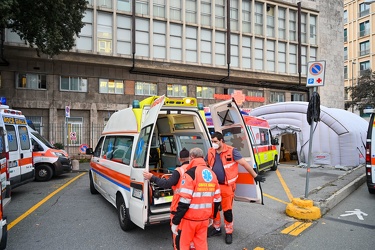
{"points": [[149, 136], [18, 143], [370, 152], [3, 180]]}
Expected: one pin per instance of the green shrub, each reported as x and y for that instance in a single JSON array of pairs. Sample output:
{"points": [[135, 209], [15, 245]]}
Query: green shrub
{"points": [[58, 145]]}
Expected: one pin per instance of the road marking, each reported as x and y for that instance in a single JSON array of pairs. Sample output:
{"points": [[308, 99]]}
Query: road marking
{"points": [[286, 189], [296, 228], [36, 206], [357, 212], [276, 199]]}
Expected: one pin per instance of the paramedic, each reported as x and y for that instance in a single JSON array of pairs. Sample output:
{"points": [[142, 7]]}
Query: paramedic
{"points": [[223, 160], [199, 192]]}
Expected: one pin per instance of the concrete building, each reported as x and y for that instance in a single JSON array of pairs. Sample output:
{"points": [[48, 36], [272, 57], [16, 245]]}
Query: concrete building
{"points": [[359, 50], [177, 48]]}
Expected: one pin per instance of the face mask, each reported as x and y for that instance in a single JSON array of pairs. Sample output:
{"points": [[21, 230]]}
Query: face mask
{"points": [[215, 145]]}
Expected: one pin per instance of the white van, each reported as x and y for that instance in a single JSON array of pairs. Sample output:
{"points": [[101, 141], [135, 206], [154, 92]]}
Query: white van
{"points": [[149, 136], [18, 143], [3, 180], [48, 161], [370, 152]]}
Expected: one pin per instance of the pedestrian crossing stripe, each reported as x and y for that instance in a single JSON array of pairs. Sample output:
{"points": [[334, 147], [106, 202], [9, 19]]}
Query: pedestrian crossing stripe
{"points": [[296, 228]]}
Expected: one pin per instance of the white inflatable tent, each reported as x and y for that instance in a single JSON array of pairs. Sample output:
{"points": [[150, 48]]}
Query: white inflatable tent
{"points": [[338, 140]]}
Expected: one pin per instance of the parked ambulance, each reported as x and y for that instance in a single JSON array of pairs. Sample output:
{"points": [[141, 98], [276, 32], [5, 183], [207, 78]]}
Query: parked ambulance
{"points": [[264, 145], [148, 136], [370, 152], [48, 161], [18, 144], [3, 180]]}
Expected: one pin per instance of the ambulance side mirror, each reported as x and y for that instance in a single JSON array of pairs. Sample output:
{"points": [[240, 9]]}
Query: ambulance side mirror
{"points": [[275, 141], [89, 151]]}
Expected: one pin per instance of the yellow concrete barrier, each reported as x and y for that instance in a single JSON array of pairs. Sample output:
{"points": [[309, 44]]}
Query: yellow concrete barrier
{"points": [[303, 209]]}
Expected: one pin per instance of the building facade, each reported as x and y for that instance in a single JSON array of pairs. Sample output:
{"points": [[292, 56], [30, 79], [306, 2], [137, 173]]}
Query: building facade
{"points": [[359, 50], [209, 49]]}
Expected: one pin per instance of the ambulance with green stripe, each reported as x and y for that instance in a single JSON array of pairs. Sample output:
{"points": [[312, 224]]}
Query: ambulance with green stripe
{"points": [[264, 145]]}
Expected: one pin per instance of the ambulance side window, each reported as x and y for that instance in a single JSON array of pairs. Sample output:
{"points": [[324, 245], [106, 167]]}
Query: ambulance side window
{"points": [[24, 137], [121, 149], [98, 148], [12, 138], [264, 137], [108, 147]]}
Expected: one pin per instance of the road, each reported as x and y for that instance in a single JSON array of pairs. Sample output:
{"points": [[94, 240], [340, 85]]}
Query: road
{"points": [[62, 214]]}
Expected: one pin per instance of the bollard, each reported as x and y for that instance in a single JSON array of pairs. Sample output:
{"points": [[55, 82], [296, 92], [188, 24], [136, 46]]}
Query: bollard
{"points": [[75, 165]]}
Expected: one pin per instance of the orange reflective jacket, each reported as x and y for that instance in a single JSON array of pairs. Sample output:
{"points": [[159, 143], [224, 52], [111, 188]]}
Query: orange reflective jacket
{"points": [[176, 188], [229, 164]]}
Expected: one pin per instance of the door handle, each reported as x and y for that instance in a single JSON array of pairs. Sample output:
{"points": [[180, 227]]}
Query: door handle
{"points": [[21, 155], [133, 179]]}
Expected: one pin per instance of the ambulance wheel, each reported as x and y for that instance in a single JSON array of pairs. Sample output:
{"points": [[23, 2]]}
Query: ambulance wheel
{"points": [[123, 214], [92, 186], [371, 191], [274, 166], [43, 173]]}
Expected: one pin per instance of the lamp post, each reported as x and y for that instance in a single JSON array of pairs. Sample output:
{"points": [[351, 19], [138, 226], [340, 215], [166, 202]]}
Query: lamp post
{"points": [[351, 93]]}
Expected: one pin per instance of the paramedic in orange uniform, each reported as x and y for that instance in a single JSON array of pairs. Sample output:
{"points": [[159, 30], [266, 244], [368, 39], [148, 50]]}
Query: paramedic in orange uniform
{"points": [[223, 160], [199, 192], [172, 182]]}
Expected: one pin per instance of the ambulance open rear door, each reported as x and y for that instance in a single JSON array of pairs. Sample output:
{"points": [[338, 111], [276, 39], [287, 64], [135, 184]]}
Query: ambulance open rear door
{"points": [[138, 206], [227, 119]]}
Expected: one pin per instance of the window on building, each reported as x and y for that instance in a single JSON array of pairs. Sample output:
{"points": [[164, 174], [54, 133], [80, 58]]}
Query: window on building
{"points": [[220, 48], [313, 39], [85, 41], [206, 12], [258, 15], [234, 50], [270, 21], [345, 72], [142, 37], [206, 46], [313, 53], [124, 45], [74, 130], [141, 7], [258, 54], [345, 35], [234, 14], [124, 5], [345, 53], [13, 37], [160, 40], [364, 28], [292, 58], [191, 44], [303, 28], [364, 66], [111, 86], [37, 122], [281, 57], [176, 90], [270, 56], [246, 52], [256, 93], [175, 42], [159, 8], [364, 48], [304, 60], [277, 97], [364, 9], [220, 14], [191, 11], [292, 25], [282, 23], [175, 10], [104, 3], [246, 16], [145, 88], [345, 16], [104, 32], [31, 81], [297, 97], [76, 84], [205, 92]]}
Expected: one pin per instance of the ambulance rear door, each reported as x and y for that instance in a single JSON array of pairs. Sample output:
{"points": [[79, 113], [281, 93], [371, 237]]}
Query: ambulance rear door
{"points": [[138, 206], [227, 119]]}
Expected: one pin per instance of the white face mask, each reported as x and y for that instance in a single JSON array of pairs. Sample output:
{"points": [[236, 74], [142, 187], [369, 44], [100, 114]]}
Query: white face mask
{"points": [[215, 145]]}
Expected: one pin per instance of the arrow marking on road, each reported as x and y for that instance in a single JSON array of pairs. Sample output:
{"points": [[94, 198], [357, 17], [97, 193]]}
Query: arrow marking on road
{"points": [[357, 212]]}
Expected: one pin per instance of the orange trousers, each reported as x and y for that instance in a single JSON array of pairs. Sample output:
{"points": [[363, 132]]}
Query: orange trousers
{"points": [[192, 231], [227, 196]]}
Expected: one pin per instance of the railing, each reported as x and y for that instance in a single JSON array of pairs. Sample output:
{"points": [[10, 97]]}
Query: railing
{"points": [[364, 52], [364, 13]]}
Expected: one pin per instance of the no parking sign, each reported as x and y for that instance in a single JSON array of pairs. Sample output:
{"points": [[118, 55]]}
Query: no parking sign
{"points": [[315, 74]]}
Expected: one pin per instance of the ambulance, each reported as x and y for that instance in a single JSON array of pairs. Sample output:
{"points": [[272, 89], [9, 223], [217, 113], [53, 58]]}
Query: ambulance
{"points": [[48, 161], [19, 149], [148, 136], [264, 145], [3, 180], [370, 152]]}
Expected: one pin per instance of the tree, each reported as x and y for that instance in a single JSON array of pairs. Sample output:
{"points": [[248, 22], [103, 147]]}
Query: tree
{"points": [[48, 25], [363, 94]]}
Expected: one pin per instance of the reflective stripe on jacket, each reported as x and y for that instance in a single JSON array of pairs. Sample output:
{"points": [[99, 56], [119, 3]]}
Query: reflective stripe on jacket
{"points": [[176, 188], [229, 164]]}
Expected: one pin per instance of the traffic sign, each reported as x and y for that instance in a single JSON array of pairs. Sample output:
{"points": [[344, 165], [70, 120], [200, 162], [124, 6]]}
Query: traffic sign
{"points": [[67, 111], [73, 136], [82, 148], [315, 74]]}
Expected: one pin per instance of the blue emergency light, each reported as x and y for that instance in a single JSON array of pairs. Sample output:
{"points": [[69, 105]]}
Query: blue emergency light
{"points": [[3, 100]]}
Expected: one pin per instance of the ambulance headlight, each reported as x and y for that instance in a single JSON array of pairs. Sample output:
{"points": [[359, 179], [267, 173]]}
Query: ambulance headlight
{"points": [[58, 154]]}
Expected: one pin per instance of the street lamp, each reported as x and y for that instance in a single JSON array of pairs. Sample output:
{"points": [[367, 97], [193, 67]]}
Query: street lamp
{"points": [[351, 93]]}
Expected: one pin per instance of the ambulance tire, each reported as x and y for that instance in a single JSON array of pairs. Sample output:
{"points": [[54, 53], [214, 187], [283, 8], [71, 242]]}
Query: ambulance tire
{"points": [[274, 166], [43, 172], [92, 186], [371, 191], [123, 214]]}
